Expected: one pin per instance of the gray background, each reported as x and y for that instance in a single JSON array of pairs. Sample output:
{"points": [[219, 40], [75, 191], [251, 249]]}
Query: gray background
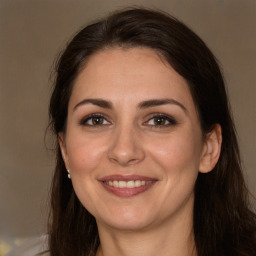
{"points": [[31, 35]]}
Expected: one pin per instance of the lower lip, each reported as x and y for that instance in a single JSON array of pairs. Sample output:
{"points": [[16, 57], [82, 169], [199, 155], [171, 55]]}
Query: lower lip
{"points": [[127, 192]]}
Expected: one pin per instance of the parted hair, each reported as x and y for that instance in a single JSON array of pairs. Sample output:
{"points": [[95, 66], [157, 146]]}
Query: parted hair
{"points": [[224, 222]]}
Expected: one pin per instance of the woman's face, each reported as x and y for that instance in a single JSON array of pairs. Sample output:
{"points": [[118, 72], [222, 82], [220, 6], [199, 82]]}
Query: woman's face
{"points": [[133, 142]]}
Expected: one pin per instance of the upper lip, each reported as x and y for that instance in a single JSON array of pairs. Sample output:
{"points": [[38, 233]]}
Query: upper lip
{"points": [[119, 177]]}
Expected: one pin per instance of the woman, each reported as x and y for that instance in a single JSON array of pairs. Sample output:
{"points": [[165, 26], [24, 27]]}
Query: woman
{"points": [[147, 156]]}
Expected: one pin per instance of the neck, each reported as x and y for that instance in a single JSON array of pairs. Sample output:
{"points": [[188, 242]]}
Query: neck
{"points": [[172, 238]]}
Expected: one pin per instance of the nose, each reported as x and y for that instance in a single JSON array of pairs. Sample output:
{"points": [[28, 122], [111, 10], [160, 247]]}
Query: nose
{"points": [[126, 147]]}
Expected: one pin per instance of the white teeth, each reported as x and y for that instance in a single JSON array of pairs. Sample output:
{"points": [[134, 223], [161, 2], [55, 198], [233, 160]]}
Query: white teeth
{"points": [[115, 183], [137, 183], [128, 184], [122, 184]]}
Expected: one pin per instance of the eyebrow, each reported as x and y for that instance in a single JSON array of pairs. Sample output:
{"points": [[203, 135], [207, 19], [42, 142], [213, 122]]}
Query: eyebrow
{"points": [[144, 104], [159, 102], [98, 102]]}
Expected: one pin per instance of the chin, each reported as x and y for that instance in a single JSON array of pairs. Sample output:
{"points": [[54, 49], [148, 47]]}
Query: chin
{"points": [[129, 226], [126, 221]]}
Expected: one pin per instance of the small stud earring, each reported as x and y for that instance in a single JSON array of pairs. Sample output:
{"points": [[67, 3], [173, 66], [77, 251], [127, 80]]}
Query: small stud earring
{"points": [[69, 174]]}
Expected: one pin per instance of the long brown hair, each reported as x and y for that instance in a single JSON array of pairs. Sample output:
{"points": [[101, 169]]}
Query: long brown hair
{"points": [[224, 224]]}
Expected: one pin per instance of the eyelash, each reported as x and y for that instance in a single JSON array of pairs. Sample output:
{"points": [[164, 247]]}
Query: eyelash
{"points": [[166, 118], [85, 120], [171, 121]]}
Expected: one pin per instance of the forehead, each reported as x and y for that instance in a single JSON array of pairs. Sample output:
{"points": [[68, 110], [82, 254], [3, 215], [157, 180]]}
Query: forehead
{"points": [[128, 74]]}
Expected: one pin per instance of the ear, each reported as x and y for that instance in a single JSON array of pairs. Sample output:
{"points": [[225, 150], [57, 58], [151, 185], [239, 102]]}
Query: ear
{"points": [[211, 150], [61, 141]]}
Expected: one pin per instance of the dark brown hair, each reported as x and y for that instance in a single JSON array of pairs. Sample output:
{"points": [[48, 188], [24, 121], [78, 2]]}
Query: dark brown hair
{"points": [[223, 221]]}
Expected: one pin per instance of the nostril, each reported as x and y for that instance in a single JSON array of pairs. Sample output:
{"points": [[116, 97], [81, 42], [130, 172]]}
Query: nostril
{"points": [[124, 160], [125, 148], [126, 157]]}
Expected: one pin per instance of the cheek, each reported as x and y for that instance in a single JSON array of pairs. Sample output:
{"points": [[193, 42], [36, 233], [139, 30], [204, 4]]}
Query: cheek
{"points": [[85, 157], [178, 158], [177, 153], [85, 154]]}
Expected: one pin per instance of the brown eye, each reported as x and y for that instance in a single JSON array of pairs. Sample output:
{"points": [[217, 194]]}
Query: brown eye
{"points": [[95, 120], [161, 121]]}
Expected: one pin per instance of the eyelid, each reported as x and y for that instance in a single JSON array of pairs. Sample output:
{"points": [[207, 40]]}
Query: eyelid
{"points": [[93, 115], [172, 121]]}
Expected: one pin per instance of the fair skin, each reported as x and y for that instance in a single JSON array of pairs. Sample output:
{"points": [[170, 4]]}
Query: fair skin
{"points": [[134, 147]]}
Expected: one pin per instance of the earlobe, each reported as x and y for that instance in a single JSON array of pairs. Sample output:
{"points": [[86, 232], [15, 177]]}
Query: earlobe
{"points": [[211, 150], [62, 145]]}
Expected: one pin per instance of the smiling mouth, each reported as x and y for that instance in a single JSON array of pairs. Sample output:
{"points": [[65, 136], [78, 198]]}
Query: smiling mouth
{"points": [[127, 186]]}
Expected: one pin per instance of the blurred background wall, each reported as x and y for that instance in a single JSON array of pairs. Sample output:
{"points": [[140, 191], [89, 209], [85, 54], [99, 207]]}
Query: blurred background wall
{"points": [[32, 32]]}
